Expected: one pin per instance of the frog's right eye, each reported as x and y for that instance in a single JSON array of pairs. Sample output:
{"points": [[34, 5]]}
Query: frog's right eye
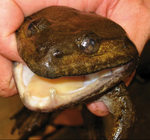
{"points": [[37, 26], [89, 43]]}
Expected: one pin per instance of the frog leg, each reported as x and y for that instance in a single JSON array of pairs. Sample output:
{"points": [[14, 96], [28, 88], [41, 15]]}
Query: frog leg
{"points": [[27, 122], [122, 113], [117, 124]]}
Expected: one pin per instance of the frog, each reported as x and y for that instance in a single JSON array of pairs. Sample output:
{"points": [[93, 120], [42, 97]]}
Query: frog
{"points": [[61, 43]]}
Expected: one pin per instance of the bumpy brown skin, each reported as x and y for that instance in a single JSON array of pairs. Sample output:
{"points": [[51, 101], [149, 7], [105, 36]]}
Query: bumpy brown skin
{"points": [[118, 122], [122, 111], [61, 41], [50, 43]]}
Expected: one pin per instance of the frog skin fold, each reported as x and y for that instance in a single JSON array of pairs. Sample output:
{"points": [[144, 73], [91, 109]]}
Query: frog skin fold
{"points": [[59, 41]]}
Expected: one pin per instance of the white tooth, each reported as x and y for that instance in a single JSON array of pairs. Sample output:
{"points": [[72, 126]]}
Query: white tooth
{"points": [[52, 92]]}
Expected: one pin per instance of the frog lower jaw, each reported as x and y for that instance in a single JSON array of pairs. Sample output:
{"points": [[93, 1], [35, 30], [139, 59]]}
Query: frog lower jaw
{"points": [[43, 94]]}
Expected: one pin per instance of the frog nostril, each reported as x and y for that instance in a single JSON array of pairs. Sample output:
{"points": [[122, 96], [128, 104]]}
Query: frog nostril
{"points": [[57, 54]]}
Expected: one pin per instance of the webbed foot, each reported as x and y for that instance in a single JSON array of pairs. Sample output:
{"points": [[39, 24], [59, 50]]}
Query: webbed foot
{"points": [[27, 122]]}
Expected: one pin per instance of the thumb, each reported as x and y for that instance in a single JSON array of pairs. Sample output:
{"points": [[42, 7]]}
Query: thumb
{"points": [[7, 84]]}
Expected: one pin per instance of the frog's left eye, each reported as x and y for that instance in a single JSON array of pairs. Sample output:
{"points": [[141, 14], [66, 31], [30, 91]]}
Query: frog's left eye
{"points": [[37, 26], [89, 43]]}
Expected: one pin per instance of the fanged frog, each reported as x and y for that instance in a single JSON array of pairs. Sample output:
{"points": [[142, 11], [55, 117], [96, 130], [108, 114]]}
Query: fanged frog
{"points": [[73, 57]]}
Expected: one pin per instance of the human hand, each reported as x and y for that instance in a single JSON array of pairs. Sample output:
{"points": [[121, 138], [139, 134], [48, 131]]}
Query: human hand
{"points": [[133, 16]]}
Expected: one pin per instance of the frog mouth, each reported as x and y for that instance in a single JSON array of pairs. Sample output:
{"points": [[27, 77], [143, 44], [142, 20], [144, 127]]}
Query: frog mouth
{"points": [[38, 93]]}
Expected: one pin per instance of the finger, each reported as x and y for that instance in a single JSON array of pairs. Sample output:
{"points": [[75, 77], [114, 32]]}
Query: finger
{"points": [[127, 13], [11, 18], [7, 84], [98, 108], [89, 5], [8, 48], [40, 4]]}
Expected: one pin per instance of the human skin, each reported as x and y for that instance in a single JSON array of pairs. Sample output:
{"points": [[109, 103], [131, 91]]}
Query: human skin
{"points": [[132, 15]]}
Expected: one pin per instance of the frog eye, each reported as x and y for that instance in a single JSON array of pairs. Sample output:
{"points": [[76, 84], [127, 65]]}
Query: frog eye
{"points": [[37, 26], [89, 43]]}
